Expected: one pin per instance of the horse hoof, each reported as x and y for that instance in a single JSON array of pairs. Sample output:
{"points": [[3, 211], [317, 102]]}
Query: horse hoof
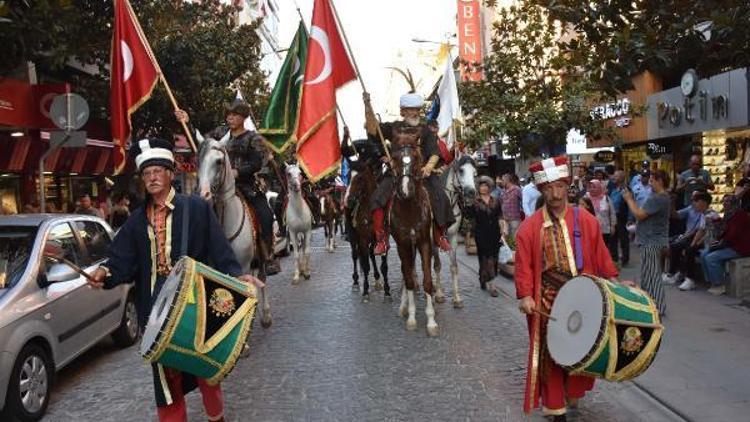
{"points": [[366, 299], [295, 281], [266, 322], [439, 299], [307, 276], [355, 287], [411, 325], [433, 331], [458, 304], [403, 313]]}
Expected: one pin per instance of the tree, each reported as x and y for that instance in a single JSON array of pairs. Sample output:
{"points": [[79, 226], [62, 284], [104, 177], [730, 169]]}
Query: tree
{"points": [[619, 39], [205, 57], [525, 95]]}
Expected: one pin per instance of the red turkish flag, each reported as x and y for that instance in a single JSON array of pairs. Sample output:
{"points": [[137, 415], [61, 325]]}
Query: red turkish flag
{"points": [[133, 78], [327, 68]]}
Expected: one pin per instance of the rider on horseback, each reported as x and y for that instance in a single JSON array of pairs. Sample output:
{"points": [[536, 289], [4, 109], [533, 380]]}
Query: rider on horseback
{"points": [[248, 155], [411, 107]]}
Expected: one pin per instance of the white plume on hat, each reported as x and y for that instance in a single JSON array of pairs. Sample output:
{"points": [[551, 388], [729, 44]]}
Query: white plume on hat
{"points": [[411, 100]]}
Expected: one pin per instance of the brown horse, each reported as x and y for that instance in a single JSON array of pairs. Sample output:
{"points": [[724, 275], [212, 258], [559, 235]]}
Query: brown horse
{"points": [[411, 227], [361, 234], [329, 212]]}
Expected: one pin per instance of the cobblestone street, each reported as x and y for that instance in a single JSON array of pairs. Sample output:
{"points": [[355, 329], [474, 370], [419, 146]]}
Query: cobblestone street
{"points": [[330, 357]]}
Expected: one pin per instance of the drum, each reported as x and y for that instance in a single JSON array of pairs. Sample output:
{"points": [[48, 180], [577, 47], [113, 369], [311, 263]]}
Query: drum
{"points": [[603, 329], [200, 321]]}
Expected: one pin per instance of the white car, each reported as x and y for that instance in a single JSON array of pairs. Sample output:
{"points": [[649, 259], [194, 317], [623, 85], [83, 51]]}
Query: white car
{"points": [[49, 314]]}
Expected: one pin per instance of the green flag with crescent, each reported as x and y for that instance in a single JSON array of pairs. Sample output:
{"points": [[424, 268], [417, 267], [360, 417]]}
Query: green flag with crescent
{"points": [[279, 124]]}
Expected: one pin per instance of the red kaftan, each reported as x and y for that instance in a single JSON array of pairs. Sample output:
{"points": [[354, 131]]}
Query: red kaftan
{"points": [[528, 277]]}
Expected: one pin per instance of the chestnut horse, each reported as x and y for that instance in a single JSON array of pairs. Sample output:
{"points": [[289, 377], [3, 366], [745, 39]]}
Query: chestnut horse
{"points": [[361, 234], [329, 213], [411, 227]]}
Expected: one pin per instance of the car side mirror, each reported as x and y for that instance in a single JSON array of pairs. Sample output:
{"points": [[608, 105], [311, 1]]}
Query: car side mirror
{"points": [[59, 273]]}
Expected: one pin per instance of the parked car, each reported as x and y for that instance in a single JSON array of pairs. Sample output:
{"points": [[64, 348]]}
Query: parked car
{"points": [[49, 314]]}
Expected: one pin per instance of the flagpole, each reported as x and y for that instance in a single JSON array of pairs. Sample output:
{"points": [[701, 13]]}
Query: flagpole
{"points": [[359, 75], [163, 80], [302, 19]]}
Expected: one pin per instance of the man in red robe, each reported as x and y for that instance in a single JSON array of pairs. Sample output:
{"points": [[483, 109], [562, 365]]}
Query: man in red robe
{"points": [[548, 255]]}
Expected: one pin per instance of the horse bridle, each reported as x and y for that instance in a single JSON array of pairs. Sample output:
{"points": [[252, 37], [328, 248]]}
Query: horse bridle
{"points": [[216, 185], [456, 185]]}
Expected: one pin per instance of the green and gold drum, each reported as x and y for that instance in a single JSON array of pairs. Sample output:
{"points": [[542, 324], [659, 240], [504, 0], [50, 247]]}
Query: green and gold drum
{"points": [[200, 321], [602, 329]]}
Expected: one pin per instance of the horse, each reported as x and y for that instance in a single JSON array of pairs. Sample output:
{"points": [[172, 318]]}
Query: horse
{"points": [[411, 227], [329, 214], [298, 218], [216, 184], [362, 236], [460, 187]]}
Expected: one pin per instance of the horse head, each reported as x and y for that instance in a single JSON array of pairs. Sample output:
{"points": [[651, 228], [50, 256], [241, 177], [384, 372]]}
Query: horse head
{"points": [[464, 175], [407, 161], [293, 177], [215, 175]]}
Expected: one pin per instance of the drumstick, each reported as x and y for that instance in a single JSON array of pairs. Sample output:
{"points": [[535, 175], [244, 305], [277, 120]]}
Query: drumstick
{"points": [[550, 317]]}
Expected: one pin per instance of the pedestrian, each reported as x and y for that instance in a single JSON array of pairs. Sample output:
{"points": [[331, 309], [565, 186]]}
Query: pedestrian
{"points": [[604, 212], [733, 243], [499, 188], [695, 178], [652, 234], [621, 239], [86, 206], [548, 254], [643, 190], [511, 204], [120, 212], [486, 212], [683, 249], [529, 196], [142, 245]]}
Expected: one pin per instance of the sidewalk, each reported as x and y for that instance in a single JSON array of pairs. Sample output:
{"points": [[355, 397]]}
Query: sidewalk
{"points": [[701, 371]]}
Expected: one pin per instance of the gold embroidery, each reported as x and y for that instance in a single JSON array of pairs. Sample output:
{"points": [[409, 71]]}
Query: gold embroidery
{"points": [[221, 302]]}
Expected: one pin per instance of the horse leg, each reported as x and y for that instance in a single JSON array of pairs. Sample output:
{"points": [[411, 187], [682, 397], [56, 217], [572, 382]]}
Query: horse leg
{"points": [[265, 251], [458, 303], [406, 254], [376, 274], [366, 272], [384, 271], [355, 273], [425, 252], [437, 265], [306, 250], [295, 249]]}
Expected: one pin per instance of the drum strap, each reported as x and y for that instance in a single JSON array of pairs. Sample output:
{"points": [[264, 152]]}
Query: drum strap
{"points": [[577, 245], [185, 225]]}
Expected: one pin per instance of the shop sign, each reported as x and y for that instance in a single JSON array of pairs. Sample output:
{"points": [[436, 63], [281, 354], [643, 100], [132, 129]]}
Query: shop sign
{"points": [[604, 156], [469, 37], [696, 106], [611, 110], [657, 149]]}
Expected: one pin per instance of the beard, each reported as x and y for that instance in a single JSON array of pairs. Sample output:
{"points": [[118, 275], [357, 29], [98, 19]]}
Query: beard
{"points": [[412, 121]]}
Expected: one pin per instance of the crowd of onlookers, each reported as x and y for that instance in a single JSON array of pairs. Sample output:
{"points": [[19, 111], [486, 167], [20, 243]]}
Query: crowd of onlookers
{"points": [[115, 209]]}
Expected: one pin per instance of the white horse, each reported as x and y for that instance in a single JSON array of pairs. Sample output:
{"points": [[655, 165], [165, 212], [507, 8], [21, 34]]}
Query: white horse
{"points": [[460, 188], [216, 184], [298, 222]]}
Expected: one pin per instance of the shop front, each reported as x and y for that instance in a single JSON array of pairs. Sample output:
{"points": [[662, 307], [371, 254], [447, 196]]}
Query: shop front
{"points": [[624, 116], [711, 115]]}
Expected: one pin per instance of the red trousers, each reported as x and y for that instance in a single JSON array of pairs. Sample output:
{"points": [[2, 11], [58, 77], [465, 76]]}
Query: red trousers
{"points": [[213, 401], [558, 386]]}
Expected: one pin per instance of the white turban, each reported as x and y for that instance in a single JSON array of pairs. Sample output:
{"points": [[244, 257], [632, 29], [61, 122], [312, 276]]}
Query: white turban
{"points": [[411, 100]]}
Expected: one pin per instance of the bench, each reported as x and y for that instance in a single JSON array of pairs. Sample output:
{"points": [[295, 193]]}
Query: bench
{"points": [[738, 283]]}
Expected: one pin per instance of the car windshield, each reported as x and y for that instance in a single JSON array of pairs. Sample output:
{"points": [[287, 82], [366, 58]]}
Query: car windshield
{"points": [[16, 243]]}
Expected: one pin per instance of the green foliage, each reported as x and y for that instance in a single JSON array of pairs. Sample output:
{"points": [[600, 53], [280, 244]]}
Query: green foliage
{"points": [[525, 94], [205, 57], [618, 39]]}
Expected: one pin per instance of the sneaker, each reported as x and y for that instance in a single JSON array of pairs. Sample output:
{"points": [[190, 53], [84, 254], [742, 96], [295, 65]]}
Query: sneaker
{"points": [[686, 285], [669, 279], [718, 290]]}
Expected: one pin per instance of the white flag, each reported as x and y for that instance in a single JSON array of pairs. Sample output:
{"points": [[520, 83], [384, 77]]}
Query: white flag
{"points": [[450, 108]]}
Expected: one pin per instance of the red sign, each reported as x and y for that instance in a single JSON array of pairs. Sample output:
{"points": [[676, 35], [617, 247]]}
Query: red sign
{"points": [[469, 37], [25, 105]]}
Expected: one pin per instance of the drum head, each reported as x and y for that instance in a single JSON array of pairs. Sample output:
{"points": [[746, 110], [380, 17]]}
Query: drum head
{"points": [[161, 309], [578, 310]]}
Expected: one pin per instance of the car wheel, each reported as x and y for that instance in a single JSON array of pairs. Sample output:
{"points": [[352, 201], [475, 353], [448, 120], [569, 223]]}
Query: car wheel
{"points": [[127, 333], [30, 384]]}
